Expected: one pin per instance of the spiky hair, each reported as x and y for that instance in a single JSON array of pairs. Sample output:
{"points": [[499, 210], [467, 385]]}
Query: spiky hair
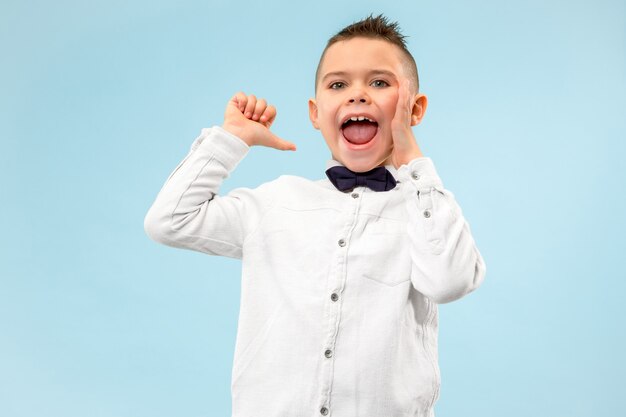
{"points": [[375, 28]]}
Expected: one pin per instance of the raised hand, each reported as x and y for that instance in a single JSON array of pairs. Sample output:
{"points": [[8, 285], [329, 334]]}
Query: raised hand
{"points": [[250, 119], [405, 147]]}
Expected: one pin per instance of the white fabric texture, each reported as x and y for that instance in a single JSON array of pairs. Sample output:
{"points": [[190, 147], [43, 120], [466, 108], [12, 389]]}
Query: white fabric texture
{"points": [[338, 311]]}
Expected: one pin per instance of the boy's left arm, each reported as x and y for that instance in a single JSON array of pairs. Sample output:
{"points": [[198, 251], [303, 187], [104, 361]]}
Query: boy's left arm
{"points": [[446, 264]]}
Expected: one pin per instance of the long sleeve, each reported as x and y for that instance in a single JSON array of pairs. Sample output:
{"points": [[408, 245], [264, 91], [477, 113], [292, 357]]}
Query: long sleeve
{"points": [[446, 264], [188, 212]]}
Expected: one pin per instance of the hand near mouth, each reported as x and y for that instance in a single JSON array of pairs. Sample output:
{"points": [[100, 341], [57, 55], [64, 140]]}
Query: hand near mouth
{"points": [[405, 147], [250, 119]]}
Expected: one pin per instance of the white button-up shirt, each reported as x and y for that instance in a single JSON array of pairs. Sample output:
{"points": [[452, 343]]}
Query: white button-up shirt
{"points": [[339, 292]]}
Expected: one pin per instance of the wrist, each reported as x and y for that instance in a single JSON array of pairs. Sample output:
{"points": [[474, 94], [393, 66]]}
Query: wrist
{"points": [[406, 157], [237, 131]]}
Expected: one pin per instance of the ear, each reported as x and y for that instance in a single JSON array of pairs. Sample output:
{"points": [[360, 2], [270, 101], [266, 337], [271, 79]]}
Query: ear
{"points": [[420, 102], [313, 113]]}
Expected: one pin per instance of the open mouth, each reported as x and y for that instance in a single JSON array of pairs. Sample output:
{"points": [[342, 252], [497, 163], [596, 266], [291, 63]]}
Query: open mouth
{"points": [[359, 130]]}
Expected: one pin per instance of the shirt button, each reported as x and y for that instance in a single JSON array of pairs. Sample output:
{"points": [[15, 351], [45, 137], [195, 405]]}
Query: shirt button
{"points": [[342, 242], [324, 411], [426, 213], [328, 353], [334, 297], [355, 195], [415, 175]]}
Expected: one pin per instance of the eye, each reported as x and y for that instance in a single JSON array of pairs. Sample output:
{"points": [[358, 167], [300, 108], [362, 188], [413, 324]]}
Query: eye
{"points": [[380, 83], [336, 85]]}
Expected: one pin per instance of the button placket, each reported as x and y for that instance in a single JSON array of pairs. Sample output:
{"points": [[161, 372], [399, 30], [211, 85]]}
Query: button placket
{"points": [[334, 308], [328, 353]]}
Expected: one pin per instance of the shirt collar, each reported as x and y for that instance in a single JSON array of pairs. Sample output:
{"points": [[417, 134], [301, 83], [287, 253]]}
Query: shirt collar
{"points": [[332, 162]]}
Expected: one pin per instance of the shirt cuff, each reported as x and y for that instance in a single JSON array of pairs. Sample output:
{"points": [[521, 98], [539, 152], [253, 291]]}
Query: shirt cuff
{"points": [[226, 147], [421, 173]]}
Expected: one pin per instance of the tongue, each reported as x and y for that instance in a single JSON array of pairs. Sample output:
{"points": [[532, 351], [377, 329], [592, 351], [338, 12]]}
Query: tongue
{"points": [[360, 132]]}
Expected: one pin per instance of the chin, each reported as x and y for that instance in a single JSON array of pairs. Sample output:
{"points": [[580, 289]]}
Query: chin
{"points": [[361, 166], [363, 162]]}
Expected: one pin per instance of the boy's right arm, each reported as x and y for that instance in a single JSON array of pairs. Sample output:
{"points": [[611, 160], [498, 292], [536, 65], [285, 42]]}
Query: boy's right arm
{"points": [[188, 212]]}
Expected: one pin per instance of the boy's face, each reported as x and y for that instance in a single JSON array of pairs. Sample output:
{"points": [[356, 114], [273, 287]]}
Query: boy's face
{"points": [[358, 77]]}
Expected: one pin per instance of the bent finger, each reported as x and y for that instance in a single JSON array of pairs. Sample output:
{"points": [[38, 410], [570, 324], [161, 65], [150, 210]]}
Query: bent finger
{"points": [[261, 104], [250, 106], [268, 115], [240, 99]]}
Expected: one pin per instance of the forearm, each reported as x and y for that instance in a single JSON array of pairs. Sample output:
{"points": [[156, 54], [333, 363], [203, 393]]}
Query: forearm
{"points": [[446, 264], [187, 211]]}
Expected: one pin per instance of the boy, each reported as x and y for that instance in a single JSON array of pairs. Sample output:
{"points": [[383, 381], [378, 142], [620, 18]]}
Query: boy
{"points": [[341, 277]]}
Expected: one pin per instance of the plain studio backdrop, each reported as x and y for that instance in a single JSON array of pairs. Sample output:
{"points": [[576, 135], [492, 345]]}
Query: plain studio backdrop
{"points": [[100, 100]]}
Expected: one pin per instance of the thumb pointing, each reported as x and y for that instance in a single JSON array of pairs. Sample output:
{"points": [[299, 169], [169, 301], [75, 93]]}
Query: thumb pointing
{"points": [[282, 144]]}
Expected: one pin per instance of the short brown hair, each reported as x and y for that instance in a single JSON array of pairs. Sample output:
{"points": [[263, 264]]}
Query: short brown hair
{"points": [[375, 28]]}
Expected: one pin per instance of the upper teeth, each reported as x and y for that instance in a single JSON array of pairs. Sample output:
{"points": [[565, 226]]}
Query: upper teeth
{"points": [[359, 119]]}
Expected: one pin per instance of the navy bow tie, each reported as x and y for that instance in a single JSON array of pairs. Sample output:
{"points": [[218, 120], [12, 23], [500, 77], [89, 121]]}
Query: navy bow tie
{"points": [[377, 179]]}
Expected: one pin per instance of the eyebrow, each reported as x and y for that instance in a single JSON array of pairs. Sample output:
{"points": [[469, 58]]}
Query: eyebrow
{"points": [[372, 72]]}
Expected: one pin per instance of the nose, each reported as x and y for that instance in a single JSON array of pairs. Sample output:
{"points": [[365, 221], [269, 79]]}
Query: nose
{"points": [[359, 95]]}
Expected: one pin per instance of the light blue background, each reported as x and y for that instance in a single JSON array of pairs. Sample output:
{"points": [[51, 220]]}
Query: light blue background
{"points": [[100, 100]]}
